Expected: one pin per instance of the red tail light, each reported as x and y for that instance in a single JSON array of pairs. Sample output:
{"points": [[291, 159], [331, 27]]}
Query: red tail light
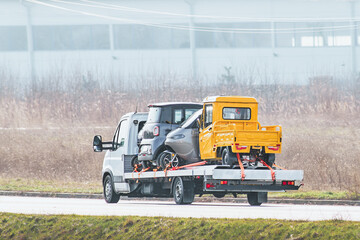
{"points": [[290, 183], [156, 131], [223, 182], [273, 148], [210, 185]]}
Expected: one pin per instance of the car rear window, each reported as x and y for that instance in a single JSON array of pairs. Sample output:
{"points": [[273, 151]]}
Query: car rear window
{"points": [[154, 115], [182, 114], [236, 113]]}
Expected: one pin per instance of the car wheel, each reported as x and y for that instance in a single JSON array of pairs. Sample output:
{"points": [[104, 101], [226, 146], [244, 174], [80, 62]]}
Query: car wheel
{"points": [[135, 161], [165, 160]]}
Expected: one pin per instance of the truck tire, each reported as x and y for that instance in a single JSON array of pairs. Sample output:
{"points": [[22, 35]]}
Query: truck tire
{"points": [[227, 158], [219, 194], [183, 191], [257, 198], [109, 193]]}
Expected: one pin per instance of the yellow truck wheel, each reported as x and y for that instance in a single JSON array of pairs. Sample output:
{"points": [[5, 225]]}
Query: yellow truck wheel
{"points": [[227, 157]]}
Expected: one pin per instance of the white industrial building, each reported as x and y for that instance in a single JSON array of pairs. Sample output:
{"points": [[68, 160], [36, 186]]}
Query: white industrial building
{"points": [[280, 40]]}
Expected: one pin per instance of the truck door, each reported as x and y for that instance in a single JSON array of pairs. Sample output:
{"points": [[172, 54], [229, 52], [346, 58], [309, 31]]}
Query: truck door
{"points": [[120, 142], [205, 135]]}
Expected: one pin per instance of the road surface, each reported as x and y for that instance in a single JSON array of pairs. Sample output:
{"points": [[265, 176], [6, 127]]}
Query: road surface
{"points": [[35, 205]]}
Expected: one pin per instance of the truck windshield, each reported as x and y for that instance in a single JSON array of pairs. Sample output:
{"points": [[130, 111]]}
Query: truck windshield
{"points": [[154, 115], [236, 113]]}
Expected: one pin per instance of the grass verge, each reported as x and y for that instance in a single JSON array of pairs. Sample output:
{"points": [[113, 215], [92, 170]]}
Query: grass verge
{"points": [[17, 226], [56, 186]]}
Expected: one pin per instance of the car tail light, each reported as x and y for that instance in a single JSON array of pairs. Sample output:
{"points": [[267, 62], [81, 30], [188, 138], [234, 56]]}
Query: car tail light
{"points": [[223, 182], [273, 148], [288, 183], [156, 131]]}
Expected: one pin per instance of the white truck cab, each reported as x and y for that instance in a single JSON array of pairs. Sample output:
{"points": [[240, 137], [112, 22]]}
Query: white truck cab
{"points": [[120, 151]]}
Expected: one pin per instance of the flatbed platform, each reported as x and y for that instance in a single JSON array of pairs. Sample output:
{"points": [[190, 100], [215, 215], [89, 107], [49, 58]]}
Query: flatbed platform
{"points": [[221, 173]]}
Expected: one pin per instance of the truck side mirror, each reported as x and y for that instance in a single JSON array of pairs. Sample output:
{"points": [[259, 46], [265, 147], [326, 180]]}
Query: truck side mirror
{"points": [[97, 144]]}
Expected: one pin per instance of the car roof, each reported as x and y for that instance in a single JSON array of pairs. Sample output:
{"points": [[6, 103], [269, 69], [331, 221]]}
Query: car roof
{"points": [[236, 99], [174, 104]]}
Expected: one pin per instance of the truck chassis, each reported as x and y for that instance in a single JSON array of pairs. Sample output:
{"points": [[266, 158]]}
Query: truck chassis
{"points": [[183, 184]]}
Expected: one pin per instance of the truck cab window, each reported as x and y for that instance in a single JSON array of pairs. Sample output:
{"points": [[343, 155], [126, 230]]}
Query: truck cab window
{"points": [[208, 115], [120, 135]]}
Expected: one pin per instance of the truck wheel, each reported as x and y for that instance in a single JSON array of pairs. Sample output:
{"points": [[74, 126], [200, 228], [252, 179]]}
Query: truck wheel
{"points": [[183, 191], [219, 195], [253, 199], [226, 157], [109, 194]]}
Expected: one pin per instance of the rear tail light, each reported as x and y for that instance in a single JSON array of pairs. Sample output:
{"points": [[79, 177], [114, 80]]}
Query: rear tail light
{"points": [[156, 131], [210, 185], [273, 148], [288, 183], [223, 182]]}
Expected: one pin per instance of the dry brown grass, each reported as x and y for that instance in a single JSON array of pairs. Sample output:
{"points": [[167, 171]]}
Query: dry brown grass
{"points": [[320, 123]]}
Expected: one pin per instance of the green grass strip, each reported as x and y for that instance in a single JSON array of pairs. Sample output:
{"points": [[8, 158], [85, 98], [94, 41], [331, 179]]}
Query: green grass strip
{"points": [[18, 226]]}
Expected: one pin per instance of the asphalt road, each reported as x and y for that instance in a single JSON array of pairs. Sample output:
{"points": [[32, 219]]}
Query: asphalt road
{"points": [[35, 205]]}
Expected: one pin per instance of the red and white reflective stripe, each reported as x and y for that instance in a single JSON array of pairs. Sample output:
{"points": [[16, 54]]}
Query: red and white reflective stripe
{"points": [[273, 148], [240, 147]]}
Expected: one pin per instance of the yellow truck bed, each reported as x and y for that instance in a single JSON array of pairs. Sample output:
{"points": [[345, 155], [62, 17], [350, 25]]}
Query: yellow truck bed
{"points": [[244, 136]]}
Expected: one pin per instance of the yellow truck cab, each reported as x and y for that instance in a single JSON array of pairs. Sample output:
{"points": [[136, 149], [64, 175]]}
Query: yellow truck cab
{"points": [[230, 131]]}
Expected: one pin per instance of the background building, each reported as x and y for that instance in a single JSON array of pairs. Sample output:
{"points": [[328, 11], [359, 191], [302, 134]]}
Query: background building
{"points": [[264, 41]]}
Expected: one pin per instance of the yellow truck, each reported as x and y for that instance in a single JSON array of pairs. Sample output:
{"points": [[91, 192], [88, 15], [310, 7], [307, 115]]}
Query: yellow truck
{"points": [[230, 131]]}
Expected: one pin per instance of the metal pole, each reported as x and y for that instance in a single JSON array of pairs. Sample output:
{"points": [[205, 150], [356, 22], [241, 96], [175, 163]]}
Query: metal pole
{"points": [[30, 43], [353, 41], [192, 40]]}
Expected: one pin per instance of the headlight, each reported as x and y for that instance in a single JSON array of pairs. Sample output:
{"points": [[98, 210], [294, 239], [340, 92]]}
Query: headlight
{"points": [[145, 149], [178, 136]]}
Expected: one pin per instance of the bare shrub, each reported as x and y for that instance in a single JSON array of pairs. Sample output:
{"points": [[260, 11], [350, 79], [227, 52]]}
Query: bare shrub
{"points": [[320, 122]]}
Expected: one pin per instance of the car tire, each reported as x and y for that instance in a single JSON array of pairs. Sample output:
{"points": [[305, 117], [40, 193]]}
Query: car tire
{"points": [[134, 161]]}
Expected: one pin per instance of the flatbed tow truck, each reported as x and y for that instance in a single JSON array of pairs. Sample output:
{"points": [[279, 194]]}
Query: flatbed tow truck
{"points": [[182, 182]]}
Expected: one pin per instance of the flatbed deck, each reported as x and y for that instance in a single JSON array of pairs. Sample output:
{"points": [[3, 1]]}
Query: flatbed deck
{"points": [[221, 173]]}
